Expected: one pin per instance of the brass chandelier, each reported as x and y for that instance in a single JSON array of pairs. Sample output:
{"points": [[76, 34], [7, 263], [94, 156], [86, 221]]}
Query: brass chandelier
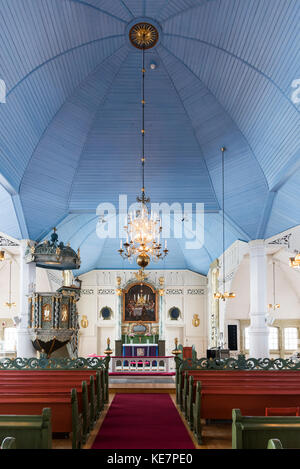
{"points": [[143, 229], [224, 295]]}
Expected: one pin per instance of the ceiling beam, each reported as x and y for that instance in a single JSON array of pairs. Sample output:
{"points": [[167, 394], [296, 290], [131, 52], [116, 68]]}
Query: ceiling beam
{"points": [[288, 170], [20, 216], [266, 213]]}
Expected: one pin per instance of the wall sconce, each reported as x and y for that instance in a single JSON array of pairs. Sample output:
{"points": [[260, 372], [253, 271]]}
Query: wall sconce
{"points": [[84, 322], [196, 320]]}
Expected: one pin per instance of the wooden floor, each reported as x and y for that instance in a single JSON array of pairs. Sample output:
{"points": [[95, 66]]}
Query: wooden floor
{"points": [[135, 384], [217, 436]]}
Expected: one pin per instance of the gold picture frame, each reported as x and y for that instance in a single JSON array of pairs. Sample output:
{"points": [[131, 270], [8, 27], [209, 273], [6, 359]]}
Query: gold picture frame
{"points": [[140, 304], [64, 313], [46, 313]]}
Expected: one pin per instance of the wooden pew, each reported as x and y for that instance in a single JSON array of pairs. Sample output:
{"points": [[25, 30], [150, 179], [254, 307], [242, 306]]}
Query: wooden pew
{"points": [[28, 391], [231, 377], [217, 402], [263, 382], [29, 431], [233, 374], [282, 411], [64, 410], [8, 443], [255, 432], [77, 434], [82, 374], [35, 385], [67, 415], [67, 376]]}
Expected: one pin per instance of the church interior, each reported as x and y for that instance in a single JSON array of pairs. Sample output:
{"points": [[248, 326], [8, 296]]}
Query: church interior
{"points": [[149, 224]]}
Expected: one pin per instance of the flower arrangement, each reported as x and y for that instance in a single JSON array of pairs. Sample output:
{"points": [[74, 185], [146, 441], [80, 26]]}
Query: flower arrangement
{"points": [[148, 334], [131, 334]]}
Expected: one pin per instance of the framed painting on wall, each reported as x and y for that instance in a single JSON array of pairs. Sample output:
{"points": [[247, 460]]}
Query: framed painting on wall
{"points": [[140, 303]]}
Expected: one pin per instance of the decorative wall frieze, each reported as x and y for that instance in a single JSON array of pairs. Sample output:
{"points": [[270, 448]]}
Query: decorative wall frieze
{"points": [[7, 242], [174, 291], [106, 291], [195, 291], [87, 291]]}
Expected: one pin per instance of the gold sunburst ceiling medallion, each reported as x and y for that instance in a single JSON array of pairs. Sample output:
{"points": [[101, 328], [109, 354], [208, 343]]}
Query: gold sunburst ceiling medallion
{"points": [[143, 35]]}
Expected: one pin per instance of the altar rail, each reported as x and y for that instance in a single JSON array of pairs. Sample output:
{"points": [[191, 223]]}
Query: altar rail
{"points": [[142, 364]]}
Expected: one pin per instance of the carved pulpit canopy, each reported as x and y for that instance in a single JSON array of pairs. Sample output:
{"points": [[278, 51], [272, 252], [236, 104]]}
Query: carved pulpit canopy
{"points": [[53, 254]]}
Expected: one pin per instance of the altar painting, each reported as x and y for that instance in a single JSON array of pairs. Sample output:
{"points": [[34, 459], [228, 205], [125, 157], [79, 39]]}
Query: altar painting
{"points": [[140, 304]]}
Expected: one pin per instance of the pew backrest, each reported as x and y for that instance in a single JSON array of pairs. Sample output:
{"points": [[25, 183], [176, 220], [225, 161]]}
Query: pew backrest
{"points": [[255, 432], [29, 431]]}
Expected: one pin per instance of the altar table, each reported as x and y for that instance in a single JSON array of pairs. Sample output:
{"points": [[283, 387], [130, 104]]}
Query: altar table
{"points": [[140, 350]]}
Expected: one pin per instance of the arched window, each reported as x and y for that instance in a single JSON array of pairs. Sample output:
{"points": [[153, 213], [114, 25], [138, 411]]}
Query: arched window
{"points": [[291, 338], [273, 338]]}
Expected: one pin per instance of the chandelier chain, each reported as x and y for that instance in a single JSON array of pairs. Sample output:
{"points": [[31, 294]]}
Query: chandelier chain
{"points": [[142, 228]]}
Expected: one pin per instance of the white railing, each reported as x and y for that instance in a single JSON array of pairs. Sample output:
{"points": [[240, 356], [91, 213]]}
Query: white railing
{"points": [[142, 364]]}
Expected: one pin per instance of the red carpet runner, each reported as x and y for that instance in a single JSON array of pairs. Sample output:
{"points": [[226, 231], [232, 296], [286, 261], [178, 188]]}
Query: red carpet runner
{"points": [[143, 421]]}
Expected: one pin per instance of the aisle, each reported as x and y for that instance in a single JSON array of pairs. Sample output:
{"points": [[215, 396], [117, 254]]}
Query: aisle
{"points": [[143, 421]]}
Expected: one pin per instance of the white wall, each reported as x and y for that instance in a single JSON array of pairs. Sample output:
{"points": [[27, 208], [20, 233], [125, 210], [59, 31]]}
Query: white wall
{"points": [[184, 289], [286, 294], [287, 282]]}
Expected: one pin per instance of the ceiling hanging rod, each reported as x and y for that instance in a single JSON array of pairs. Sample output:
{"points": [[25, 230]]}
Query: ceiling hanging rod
{"points": [[224, 295], [275, 305], [143, 230], [143, 197]]}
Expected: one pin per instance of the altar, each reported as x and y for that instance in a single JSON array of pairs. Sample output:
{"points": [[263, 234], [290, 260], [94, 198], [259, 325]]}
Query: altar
{"points": [[140, 333], [140, 350]]}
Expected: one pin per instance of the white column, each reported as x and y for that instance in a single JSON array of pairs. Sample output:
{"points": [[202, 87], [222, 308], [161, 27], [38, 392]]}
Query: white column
{"points": [[161, 317], [259, 331], [68, 278], [25, 348], [119, 318]]}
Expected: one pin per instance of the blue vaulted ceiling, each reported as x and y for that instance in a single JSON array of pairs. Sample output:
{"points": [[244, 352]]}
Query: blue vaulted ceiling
{"points": [[70, 127]]}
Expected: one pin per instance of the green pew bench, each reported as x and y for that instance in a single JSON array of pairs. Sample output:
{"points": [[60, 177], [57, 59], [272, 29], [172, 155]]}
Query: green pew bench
{"points": [[8, 443], [255, 432], [29, 431]]}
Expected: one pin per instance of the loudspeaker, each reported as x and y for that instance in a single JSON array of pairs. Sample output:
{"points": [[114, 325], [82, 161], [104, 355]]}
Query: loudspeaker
{"points": [[212, 353], [232, 337]]}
